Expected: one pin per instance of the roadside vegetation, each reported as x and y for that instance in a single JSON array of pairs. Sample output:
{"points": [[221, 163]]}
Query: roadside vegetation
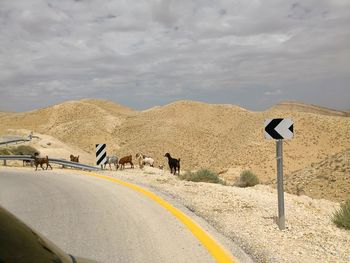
{"points": [[18, 150], [5, 151], [202, 175], [341, 218], [247, 178]]}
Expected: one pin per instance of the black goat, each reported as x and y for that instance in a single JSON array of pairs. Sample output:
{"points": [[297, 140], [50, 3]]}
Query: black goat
{"points": [[26, 162], [173, 163]]}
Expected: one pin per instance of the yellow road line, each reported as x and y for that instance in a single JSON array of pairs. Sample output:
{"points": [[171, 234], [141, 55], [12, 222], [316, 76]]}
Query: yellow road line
{"points": [[219, 253]]}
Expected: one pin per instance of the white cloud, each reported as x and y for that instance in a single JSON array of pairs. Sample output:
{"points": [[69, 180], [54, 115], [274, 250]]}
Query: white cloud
{"points": [[273, 92], [174, 49]]}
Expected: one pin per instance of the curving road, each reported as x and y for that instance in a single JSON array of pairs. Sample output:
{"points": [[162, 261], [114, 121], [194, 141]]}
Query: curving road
{"points": [[94, 218]]}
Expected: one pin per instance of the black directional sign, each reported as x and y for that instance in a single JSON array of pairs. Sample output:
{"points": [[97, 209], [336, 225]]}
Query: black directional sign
{"points": [[279, 129], [101, 155]]}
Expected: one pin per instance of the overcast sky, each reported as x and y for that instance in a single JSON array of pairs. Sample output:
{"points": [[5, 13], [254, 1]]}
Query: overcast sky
{"points": [[143, 53]]}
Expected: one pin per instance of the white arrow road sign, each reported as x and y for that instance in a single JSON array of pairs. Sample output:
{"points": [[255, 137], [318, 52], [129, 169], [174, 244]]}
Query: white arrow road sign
{"points": [[279, 129]]}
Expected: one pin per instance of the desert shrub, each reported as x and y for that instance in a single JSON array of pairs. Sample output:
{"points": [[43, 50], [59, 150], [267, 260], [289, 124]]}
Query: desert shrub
{"points": [[5, 151], [202, 175], [23, 149], [341, 217], [18, 150], [247, 179]]}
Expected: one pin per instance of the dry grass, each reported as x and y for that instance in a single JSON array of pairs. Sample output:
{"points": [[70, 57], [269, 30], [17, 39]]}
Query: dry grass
{"points": [[202, 175], [247, 179], [342, 216]]}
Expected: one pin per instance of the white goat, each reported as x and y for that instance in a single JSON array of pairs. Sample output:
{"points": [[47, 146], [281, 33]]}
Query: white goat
{"points": [[112, 160], [143, 159], [148, 160]]}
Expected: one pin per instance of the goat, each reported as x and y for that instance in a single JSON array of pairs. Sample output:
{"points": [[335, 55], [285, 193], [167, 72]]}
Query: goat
{"points": [[148, 160], [125, 160], [112, 160], [143, 159], [173, 163], [26, 162], [40, 161], [74, 158], [139, 157]]}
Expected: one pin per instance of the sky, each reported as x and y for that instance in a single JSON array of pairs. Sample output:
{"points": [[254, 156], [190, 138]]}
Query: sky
{"points": [[145, 53]]}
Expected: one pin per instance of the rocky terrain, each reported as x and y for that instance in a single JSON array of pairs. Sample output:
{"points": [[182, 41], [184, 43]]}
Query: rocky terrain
{"points": [[328, 179], [248, 216]]}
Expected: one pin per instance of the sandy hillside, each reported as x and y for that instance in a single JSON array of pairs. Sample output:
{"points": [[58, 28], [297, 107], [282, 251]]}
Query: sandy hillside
{"points": [[302, 107], [220, 137], [6, 114], [51, 146], [328, 179], [226, 136], [79, 123]]}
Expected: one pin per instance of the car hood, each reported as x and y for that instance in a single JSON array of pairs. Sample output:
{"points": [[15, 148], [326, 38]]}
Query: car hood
{"points": [[84, 260]]}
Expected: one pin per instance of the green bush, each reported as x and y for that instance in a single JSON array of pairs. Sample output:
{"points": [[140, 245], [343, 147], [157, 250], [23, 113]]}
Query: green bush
{"points": [[18, 150], [247, 179], [202, 175], [342, 216], [5, 151], [23, 149]]}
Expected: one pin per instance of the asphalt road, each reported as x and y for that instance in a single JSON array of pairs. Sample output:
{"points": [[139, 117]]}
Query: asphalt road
{"points": [[93, 218]]}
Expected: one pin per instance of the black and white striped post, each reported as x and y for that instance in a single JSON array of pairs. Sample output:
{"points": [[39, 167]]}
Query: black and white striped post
{"points": [[101, 155], [279, 129]]}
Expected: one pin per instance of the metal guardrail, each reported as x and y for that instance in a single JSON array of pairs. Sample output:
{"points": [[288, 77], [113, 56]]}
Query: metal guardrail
{"points": [[15, 141], [74, 164], [16, 157], [30, 137], [51, 160]]}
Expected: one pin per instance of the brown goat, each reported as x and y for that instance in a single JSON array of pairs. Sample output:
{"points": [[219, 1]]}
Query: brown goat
{"points": [[40, 161], [74, 158], [125, 160]]}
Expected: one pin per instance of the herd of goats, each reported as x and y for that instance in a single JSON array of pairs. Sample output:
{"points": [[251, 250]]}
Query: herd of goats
{"points": [[174, 164]]}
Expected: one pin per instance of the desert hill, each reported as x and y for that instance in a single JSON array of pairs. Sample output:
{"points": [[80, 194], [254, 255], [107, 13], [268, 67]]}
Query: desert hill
{"points": [[328, 179], [302, 107], [223, 136], [109, 106], [4, 114], [79, 123], [202, 135]]}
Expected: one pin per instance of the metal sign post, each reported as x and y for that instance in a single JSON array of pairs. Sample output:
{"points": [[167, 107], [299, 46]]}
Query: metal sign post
{"points": [[279, 129], [280, 191]]}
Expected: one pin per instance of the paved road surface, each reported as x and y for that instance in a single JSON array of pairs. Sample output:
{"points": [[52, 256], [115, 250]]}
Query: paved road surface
{"points": [[94, 218]]}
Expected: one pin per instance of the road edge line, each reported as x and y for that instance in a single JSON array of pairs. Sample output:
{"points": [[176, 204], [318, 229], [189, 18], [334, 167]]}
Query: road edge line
{"points": [[213, 247]]}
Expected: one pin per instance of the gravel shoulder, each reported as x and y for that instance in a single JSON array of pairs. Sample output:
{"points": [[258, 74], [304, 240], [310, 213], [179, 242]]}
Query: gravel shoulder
{"points": [[248, 217]]}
